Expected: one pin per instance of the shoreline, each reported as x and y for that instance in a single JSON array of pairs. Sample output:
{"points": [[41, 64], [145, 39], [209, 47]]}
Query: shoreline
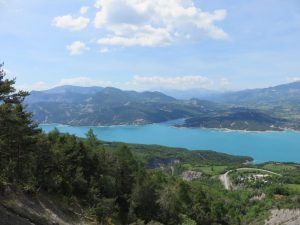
{"points": [[241, 131], [214, 131], [174, 126]]}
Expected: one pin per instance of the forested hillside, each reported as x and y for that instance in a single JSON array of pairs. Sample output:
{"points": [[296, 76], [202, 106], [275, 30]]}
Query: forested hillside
{"points": [[109, 106], [279, 101], [107, 183]]}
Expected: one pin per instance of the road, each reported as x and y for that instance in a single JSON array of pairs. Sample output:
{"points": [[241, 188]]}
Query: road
{"points": [[227, 183]]}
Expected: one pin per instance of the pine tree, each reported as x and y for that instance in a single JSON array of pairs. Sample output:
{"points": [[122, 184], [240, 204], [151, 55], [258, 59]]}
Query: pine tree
{"points": [[91, 139], [17, 133]]}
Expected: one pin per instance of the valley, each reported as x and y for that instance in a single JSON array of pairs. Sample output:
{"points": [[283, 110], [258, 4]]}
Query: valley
{"points": [[59, 174], [250, 110]]}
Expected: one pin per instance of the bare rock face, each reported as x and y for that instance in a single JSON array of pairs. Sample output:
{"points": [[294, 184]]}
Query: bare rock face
{"points": [[18, 208], [284, 217], [157, 163], [191, 175]]}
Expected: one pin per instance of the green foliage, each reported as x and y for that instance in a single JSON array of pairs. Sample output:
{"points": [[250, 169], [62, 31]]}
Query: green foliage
{"points": [[237, 119], [277, 190], [111, 181], [187, 221], [154, 155], [91, 139], [17, 134]]}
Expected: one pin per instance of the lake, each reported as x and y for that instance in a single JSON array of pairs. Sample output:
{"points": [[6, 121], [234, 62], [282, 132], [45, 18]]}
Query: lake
{"points": [[262, 146]]}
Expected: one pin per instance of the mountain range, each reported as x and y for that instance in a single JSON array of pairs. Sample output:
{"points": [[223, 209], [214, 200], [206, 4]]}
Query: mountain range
{"points": [[275, 108], [282, 100], [109, 106]]}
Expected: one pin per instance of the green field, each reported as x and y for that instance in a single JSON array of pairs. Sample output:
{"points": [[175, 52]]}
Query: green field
{"points": [[295, 188], [213, 170], [206, 169], [278, 167]]}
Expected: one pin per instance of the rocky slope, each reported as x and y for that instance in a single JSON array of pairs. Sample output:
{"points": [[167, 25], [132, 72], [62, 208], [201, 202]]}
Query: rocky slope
{"points": [[17, 208], [284, 217]]}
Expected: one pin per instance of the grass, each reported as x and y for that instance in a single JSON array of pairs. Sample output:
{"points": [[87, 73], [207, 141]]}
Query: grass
{"points": [[279, 167], [213, 170], [209, 170], [295, 188]]}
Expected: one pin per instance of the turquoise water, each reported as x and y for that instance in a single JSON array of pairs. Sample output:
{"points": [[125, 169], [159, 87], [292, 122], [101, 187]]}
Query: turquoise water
{"points": [[262, 146]]}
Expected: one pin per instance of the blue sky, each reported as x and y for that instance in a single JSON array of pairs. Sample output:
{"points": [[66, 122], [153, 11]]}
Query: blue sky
{"points": [[151, 44]]}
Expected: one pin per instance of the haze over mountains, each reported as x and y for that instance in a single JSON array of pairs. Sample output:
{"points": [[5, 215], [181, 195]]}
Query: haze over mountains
{"points": [[274, 108], [277, 95], [199, 93], [109, 106]]}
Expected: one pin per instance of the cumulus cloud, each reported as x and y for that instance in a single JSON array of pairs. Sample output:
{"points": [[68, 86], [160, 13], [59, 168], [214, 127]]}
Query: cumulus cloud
{"points": [[144, 36], [71, 23], [155, 22], [77, 48], [84, 9]]}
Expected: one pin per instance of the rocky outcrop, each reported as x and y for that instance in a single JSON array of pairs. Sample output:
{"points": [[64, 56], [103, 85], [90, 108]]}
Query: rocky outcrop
{"points": [[284, 217], [17, 208], [191, 175], [157, 162]]}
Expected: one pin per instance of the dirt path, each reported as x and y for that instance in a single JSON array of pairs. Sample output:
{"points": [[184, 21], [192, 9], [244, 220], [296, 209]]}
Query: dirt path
{"points": [[225, 180], [227, 183]]}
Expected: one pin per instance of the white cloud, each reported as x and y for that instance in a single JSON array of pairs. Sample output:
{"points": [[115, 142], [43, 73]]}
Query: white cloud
{"points": [[143, 36], [70, 23], [139, 83], [155, 22], [77, 48], [179, 82], [76, 81], [84, 81], [293, 79], [84, 9]]}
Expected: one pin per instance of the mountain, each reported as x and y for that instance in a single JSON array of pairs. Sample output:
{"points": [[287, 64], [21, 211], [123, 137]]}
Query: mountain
{"points": [[110, 106], [74, 89], [97, 106], [238, 119], [282, 100], [199, 93]]}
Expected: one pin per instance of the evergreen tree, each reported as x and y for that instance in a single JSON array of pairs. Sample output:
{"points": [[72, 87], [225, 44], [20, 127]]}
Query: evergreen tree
{"points": [[17, 133], [127, 168], [91, 139]]}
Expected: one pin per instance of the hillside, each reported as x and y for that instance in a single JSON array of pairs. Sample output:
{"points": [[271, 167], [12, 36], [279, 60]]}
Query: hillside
{"points": [[109, 106], [21, 208], [58, 178], [152, 155], [282, 100], [238, 119], [95, 106]]}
